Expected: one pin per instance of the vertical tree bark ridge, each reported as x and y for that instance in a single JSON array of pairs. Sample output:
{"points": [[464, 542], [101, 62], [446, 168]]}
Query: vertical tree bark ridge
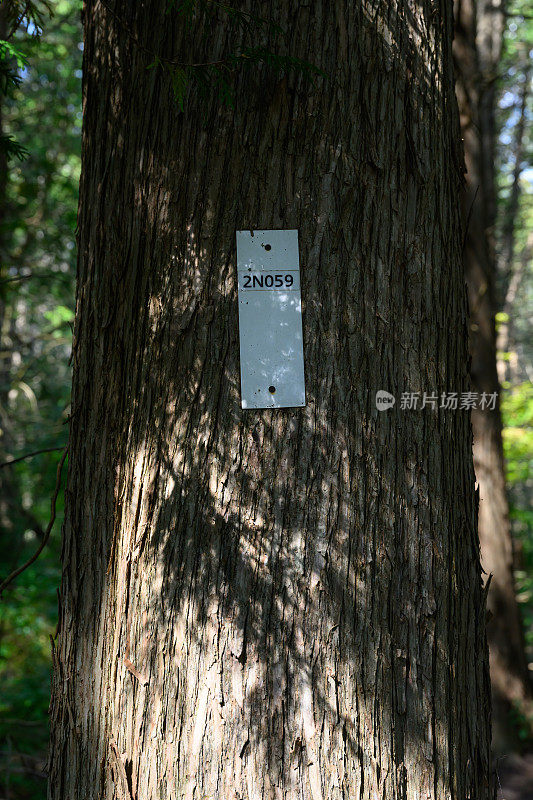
{"points": [[477, 50], [273, 604]]}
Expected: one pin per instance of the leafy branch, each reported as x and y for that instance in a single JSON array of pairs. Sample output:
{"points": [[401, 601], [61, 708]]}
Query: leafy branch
{"points": [[12, 148], [25, 14], [218, 75], [17, 15]]}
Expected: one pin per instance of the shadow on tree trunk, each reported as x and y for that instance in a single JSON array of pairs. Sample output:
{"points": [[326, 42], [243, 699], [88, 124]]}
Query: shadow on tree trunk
{"points": [[277, 603]]}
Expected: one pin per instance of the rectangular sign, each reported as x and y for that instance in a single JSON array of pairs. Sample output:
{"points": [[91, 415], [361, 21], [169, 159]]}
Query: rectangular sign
{"points": [[270, 319]]}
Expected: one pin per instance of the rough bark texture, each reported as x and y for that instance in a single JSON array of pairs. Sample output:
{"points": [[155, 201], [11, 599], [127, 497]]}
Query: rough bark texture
{"points": [[477, 50], [271, 604]]}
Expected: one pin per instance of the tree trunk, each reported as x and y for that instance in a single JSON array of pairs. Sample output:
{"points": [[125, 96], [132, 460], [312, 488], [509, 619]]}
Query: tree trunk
{"points": [[512, 277], [477, 50], [280, 603]]}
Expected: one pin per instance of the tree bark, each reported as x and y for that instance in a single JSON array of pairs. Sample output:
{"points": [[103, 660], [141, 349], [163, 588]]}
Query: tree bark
{"points": [[477, 49], [280, 603]]}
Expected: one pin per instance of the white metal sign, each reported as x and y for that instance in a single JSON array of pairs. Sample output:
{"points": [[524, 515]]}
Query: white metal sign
{"points": [[270, 319]]}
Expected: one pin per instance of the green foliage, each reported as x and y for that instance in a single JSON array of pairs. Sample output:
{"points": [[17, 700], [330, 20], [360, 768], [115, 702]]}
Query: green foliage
{"points": [[25, 626], [219, 75], [40, 84], [26, 15], [17, 15], [11, 61], [517, 412], [11, 147], [517, 401], [517, 409], [37, 272], [7, 51]]}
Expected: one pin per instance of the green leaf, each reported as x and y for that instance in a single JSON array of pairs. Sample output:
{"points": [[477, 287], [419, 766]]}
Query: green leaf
{"points": [[8, 50], [12, 148], [180, 80]]}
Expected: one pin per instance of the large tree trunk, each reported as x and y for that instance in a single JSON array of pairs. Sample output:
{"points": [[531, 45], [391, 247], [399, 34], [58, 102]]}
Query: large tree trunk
{"points": [[477, 50], [280, 603]]}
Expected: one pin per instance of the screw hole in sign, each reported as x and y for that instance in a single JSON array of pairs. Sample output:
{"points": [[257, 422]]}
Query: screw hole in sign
{"points": [[268, 247], [271, 389]]}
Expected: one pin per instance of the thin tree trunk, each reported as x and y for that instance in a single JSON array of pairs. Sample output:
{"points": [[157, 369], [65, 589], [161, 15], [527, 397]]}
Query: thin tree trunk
{"points": [[519, 369], [511, 212], [477, 50], [280, 603], [512, 277]]}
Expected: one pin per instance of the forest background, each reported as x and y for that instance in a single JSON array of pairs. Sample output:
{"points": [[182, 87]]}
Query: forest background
{"points": [[40, 128]]}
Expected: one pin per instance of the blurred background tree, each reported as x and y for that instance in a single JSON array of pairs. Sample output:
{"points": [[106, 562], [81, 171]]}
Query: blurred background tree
{"points": [[513, 237], [40, 113], [479, 56], [38, 197]]}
